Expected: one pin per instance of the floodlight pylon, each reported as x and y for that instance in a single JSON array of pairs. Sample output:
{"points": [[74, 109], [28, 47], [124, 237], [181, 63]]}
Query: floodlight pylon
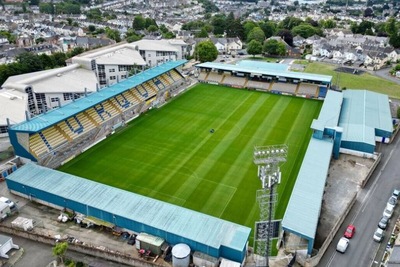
{"points": [[268, 159]]}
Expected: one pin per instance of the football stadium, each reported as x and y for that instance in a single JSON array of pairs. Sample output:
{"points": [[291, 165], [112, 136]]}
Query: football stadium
{"points": [[161, 154]]}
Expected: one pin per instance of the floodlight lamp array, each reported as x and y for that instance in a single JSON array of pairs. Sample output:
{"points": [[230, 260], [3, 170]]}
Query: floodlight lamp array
{"points": [[270, 154]]}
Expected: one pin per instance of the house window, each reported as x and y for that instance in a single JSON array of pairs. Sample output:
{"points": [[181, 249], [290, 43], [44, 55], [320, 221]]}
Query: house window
{"points": [[112, 70], [112, 77], [149, 55], [123, 76], [54, 99], [3, 129]]}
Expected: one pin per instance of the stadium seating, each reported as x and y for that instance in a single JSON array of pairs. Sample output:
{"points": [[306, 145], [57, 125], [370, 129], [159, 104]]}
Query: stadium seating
{"points": [[307, 89], [288, 88], [234, 81], [53, 137], [109, 109], [176, 76], [122, 102], [37, 145], [165, 79], [215, 77], [258, 85], [95, 115], [142, 91], [203, 76], [322, 90], [159, 84], [150, 88], [129, 97], [87, 124]]}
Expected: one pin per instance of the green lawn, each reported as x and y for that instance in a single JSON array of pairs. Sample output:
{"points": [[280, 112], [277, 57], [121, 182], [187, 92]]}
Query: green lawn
{"points": [[351, 81], [169, 153]]}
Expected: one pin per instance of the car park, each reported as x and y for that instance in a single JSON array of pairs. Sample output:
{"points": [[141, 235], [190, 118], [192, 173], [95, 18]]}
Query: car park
{"points": [[378, 235], [388, 212], [350, 231], [383, 222], [392, 202], [342, 245]]}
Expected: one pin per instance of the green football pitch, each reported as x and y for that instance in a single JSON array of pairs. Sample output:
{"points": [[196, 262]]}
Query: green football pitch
{"points": [[170, 154]]}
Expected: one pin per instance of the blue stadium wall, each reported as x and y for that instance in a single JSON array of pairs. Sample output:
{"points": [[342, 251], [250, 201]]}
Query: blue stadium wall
{"points": [[358, 146], [33, 193], [18, 148]]}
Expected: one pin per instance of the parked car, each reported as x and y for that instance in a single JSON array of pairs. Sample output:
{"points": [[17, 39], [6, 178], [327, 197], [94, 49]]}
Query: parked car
{"points": [[10, 203], [350, 231], [383, 222], [132, 240], [342, 245], [388, 212], [392, 202], [378, 235], [396, 193]]}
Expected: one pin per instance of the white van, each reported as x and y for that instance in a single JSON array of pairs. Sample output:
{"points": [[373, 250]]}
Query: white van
{"points": [[8, 202], [342, 245]]}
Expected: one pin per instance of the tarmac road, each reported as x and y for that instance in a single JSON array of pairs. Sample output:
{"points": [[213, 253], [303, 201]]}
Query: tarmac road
{"points": [[366, 214]]}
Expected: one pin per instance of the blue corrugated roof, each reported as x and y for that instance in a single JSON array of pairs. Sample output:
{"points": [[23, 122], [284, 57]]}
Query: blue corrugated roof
{"points": [[268, 70], [362, 112], [302, 212], [196, 226], [54, 116], [330, 111], [263, 65]]}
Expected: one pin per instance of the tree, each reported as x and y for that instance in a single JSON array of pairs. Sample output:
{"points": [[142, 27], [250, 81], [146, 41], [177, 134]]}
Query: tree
{"points": [[92, 28], [47, 8], [254, 47], [203, 33], [391, 27], [34, 2], [236, 30], [328, 24], [40, 40], [139, 23], [218, 22], [273, 47], [248, 26], [152, 28], [269, 28], [304, 30], [368, 12], [59, 250], [287, 36], [131, 36], [113, 34], [256, 34], [205, 51], [76, 51], [289, 22], [94, 14]]}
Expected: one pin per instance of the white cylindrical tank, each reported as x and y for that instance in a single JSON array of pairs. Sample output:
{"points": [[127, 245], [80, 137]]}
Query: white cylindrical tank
{"points": [[180, 255]]}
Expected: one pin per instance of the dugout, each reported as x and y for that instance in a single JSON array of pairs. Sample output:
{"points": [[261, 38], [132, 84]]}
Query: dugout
{"points": [[174, 224]]}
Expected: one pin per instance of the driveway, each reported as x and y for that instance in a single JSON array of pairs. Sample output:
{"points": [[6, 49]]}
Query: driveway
{"points": [[384, 73]]}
